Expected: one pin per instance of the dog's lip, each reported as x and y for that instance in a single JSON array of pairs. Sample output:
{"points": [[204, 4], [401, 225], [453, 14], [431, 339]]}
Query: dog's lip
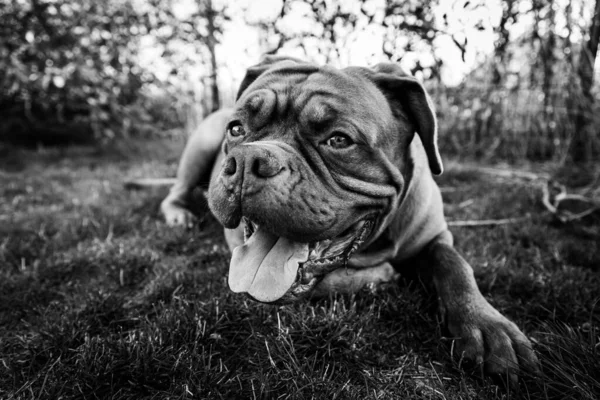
{"points": [[356, 234]]}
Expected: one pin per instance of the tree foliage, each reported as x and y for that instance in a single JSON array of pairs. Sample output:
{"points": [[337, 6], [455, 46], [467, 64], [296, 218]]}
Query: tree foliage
{"points": [[529, 98], [65, 60], [88, 66], [327, 30], [75, 65]]}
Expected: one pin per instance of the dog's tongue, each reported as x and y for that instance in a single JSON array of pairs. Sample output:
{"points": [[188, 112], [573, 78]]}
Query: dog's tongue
{"points": [[265, 266]]}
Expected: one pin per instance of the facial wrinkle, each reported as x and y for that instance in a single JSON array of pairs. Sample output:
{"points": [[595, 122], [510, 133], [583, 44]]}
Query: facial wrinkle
{"points": [[315, 162], [361, 187], [393, 172], [329, 98]]}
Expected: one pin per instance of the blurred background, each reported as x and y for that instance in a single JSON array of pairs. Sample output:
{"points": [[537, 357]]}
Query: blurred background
{"points": [[511, 79]]}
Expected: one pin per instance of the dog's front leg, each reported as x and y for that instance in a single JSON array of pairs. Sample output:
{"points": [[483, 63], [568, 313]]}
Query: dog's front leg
{"points": [[175, 206], [194, 168], [483, 334]]}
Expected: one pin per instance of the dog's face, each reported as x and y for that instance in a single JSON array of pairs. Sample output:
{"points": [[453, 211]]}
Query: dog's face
{"points": [[316, 161]]}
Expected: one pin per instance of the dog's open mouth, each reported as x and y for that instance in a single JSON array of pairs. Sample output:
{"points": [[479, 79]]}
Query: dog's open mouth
{"points": [[276, 269]]}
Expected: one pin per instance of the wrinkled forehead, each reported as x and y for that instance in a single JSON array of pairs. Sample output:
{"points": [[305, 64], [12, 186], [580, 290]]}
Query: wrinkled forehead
{"points": [[337, 93], [317, 96]]}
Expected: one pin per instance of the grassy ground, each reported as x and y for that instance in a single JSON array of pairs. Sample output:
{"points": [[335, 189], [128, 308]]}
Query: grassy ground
{"points": [[98, 299]]}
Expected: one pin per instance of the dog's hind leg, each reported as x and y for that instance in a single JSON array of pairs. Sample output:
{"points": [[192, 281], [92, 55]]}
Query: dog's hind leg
{"points": [[195, 167]]}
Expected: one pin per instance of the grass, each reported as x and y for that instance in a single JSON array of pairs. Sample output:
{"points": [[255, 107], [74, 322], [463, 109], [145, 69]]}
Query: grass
{"points": [[98, 299]]}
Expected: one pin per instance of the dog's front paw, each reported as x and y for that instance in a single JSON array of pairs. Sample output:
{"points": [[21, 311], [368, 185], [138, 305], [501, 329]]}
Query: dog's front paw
{"points": [[489, 339], [176, 215]]}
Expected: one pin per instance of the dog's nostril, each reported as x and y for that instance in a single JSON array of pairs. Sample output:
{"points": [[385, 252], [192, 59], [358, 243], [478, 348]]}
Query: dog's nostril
{"points": [[258, 168], [265, 167], [230, 166]]}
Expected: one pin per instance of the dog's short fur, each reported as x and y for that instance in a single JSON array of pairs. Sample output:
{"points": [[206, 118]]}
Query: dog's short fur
{"points": [[325, 164]]}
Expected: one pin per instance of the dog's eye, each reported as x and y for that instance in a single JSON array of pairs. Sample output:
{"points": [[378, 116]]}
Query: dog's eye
{"points": [[339, 141], [236, 129]]}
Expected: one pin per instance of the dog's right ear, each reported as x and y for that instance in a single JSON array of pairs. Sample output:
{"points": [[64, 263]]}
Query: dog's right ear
{"points": [[266, 63]]}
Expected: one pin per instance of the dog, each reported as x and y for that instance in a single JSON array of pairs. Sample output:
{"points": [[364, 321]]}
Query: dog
{"points": [[323, 181]]}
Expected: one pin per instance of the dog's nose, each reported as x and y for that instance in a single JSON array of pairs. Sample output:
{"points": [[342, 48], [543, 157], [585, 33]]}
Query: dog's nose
{"points": [[256, 161]]}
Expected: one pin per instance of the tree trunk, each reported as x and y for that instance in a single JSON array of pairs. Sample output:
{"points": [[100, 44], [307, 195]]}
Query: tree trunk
{"points": [[548, 60], [585, 134], [211, 43], [501, 43]]}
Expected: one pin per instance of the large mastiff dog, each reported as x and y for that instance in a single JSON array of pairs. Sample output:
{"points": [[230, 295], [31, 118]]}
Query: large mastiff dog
{"points": [[323, 185]]}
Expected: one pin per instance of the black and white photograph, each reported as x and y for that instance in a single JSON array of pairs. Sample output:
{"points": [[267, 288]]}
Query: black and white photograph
{"points": [[300, 199]]}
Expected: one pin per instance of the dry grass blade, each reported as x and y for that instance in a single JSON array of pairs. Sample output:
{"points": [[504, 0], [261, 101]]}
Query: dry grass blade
{"points": [[488, 222], [505, 172], [143, 183], [546, 201]]}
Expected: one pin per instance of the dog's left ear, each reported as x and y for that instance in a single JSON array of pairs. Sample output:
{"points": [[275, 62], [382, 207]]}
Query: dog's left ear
{"points": [[266, 63], [400, 86]]}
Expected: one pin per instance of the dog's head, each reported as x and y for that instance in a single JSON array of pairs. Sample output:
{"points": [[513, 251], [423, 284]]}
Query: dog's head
{"points": [[316, 163]]}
